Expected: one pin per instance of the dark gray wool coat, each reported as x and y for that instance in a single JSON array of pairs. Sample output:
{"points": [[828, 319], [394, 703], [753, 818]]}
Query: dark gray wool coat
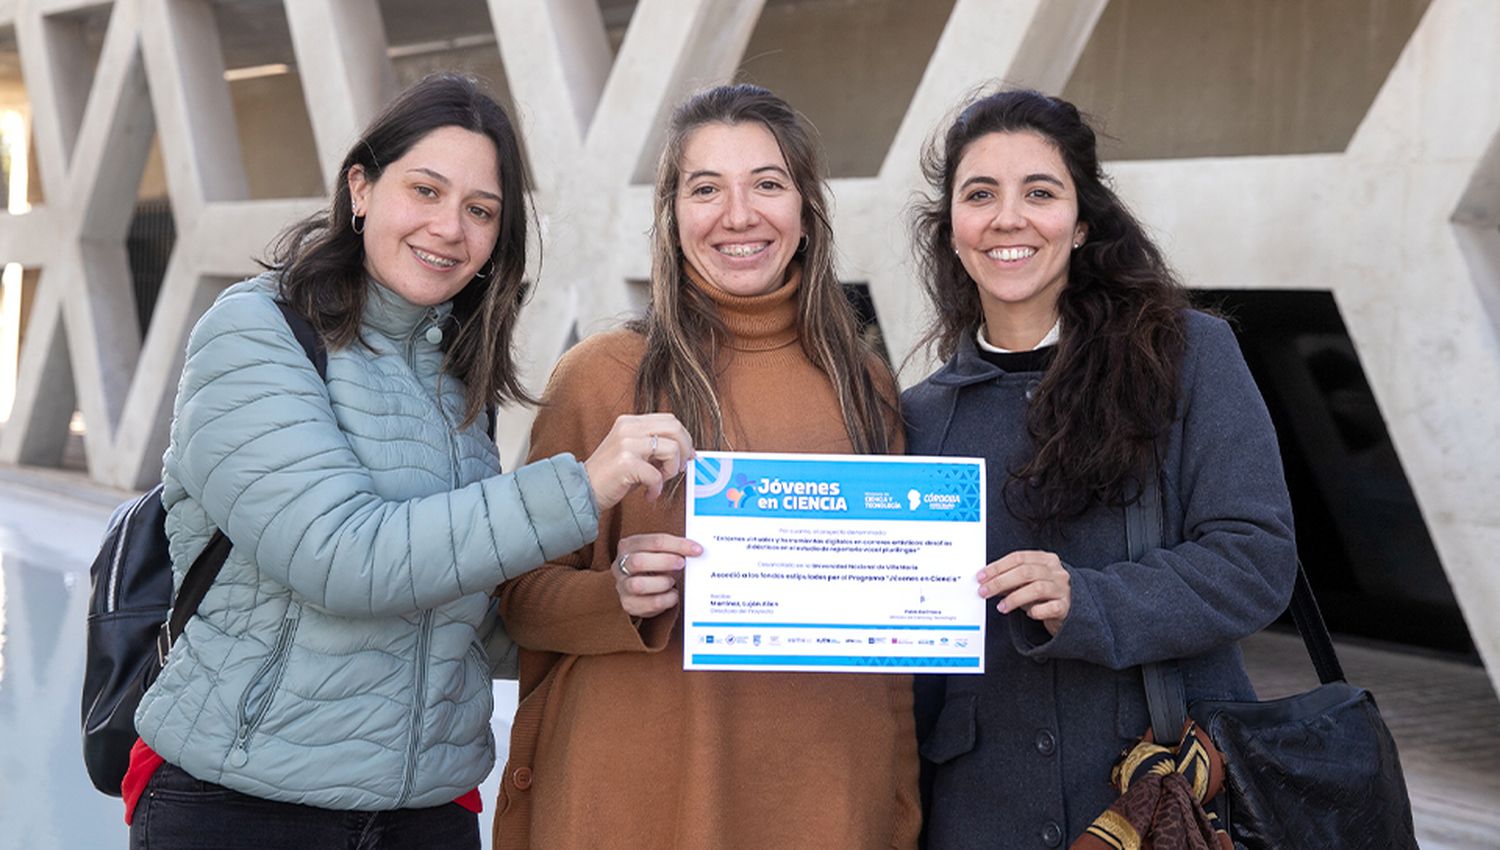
{"points": [[1020, 756]]}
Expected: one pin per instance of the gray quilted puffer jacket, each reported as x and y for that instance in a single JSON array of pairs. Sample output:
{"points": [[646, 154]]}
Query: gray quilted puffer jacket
{"points": [[339, 659]]}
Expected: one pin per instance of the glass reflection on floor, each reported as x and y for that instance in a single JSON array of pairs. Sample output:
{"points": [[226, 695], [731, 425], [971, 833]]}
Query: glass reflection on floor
{"points": [[47, 541]]}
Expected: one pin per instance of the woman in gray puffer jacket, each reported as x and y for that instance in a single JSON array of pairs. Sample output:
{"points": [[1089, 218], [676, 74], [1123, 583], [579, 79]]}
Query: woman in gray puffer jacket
{"points": [[333, 688]]}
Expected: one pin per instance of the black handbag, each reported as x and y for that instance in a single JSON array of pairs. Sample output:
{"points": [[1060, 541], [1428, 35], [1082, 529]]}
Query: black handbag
{"points": [[1313, 770]]}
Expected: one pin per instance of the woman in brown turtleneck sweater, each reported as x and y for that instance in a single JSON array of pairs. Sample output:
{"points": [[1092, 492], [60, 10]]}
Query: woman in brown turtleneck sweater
{"points": [[751, 343]]}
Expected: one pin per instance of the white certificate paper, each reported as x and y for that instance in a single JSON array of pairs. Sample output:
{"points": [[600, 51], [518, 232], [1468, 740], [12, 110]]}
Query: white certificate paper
{"points": [[835, 563]]}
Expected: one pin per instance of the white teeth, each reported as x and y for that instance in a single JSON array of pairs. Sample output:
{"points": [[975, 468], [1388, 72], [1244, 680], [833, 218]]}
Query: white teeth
{"points": [[743, 250], [1009, 254], [441, 262]]}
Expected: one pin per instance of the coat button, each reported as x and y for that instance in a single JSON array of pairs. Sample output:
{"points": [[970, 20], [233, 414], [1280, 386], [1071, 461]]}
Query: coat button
{"points": [[1031, 388], [1051, 834], [521, 777], [1046, 743]]}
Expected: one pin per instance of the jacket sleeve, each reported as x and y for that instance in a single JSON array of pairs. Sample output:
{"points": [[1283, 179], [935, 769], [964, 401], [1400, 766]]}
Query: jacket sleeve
{"points": [[569, 605], [1232, 572], [255, 442]]}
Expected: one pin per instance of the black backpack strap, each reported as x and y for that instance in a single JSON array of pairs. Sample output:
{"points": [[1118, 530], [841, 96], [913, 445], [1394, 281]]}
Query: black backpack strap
{"points": [[200, 576], [307, 335], [491, 416]]}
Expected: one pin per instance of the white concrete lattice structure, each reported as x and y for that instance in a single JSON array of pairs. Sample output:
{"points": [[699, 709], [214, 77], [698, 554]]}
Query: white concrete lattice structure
{"points": [[1404, 224]]}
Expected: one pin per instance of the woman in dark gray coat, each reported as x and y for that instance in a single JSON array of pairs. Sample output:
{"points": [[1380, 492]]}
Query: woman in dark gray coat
{"points": [[1075, 367]]}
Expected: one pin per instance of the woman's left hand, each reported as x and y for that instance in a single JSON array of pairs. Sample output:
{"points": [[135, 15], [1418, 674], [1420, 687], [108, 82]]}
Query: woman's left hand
{"points": [[1034, 581]]}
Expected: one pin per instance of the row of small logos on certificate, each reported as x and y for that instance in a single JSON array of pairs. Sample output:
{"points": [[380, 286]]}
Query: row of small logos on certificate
{"points": [[753, 640]]}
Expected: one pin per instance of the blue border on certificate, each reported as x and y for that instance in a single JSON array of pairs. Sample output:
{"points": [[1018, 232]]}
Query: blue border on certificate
{"points": [[780, 487], [925, 661]]}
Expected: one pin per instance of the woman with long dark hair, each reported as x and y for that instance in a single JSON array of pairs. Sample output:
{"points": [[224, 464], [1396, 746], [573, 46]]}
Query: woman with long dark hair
{"points": [[1075, 367], [751, 342], [333, 688]]}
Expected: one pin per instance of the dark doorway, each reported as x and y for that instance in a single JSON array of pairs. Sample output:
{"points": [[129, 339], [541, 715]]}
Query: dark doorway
{"points": [[1360, 531]]}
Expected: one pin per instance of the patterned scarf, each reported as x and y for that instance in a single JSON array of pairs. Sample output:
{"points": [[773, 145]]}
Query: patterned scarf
{"points": [[1163, 793]]}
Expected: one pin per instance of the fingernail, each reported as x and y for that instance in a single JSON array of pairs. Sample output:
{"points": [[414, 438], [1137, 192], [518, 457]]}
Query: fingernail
{"points": [[1002, 609], [696, 549]]}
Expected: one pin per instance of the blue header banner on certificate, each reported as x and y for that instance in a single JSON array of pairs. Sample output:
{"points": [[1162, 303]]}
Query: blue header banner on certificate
{"points": [[835, 563]]}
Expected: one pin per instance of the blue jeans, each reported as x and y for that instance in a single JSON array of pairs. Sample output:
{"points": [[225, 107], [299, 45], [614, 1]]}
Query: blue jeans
{"points": [[178, 812]]}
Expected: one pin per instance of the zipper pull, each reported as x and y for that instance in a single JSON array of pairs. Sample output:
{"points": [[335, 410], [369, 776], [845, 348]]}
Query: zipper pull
{"points": [[238, 755], [434, 335]]}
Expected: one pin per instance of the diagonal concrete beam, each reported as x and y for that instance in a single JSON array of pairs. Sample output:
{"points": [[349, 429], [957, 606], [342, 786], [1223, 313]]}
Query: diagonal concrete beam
{"points": [[559, 55], [345, 82], [200, 144], [37, 430]]}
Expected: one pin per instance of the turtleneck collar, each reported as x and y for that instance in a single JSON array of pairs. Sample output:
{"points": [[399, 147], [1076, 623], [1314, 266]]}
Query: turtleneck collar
{"points": [[394, 316], [756, 322]]}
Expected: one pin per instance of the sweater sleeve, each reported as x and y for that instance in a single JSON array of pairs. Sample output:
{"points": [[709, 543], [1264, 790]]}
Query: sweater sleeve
{"points": [[255, 442], [569, 605], [1232, 572]]}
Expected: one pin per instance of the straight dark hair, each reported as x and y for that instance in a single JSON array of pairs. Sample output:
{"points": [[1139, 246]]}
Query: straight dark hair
{"points": [[682, 327], [1112, 386], [321, 259]]}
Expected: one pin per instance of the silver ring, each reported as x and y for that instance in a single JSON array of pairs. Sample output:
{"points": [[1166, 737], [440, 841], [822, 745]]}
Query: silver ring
{"points": [[620, 564], [653, 444]]}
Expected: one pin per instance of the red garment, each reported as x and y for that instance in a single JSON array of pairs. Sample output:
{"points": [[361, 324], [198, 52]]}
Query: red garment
{"points": [[144, 762]]}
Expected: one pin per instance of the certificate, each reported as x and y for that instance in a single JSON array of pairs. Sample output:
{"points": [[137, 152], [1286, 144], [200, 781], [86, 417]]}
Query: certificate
{"points": [[835, 563]]}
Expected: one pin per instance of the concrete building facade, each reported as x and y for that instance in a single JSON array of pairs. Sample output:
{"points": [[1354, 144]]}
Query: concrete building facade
{"points": [[1350, 146]]}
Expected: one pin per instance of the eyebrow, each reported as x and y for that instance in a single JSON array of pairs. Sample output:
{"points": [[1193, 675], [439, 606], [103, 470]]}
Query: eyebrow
{"points": [[1039, 177], [446, 182], [694, 175]]}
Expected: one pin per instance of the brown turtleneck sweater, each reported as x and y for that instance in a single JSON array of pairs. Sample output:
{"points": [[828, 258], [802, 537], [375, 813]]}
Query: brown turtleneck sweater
{"points": [[614, 745]]}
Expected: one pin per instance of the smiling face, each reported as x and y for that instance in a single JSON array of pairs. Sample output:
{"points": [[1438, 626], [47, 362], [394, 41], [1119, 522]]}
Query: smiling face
{"points": [[1015, 222], [739, 214], [432, 218]]}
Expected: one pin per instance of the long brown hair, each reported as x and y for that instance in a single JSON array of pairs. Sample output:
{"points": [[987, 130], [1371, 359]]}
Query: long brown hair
{"points": [[682, 327], [321, 259], [1112, 386]]}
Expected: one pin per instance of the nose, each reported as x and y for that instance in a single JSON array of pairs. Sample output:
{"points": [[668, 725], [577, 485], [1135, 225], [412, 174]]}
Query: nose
{"points": [[1008, 215], [740, 212], [447, 222]]}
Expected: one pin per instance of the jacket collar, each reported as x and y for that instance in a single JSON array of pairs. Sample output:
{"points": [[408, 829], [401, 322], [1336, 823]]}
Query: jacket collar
{"points": [[389, 314], [965, 367]]}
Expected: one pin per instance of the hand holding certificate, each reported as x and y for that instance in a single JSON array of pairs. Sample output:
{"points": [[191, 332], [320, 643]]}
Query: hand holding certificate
{"points": [[835, 563]]}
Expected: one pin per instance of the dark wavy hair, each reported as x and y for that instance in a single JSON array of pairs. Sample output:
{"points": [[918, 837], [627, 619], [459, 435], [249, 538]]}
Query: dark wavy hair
{"points": [[1112, 386], [682, 327], [321, 259]]}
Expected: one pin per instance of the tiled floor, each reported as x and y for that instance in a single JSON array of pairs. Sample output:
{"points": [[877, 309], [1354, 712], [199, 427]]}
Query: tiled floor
{"points": [[1444, 716]]}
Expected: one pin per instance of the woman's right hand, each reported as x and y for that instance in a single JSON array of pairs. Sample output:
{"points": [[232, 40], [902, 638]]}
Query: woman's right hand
{"points": [[646, 567], [646, 449]]}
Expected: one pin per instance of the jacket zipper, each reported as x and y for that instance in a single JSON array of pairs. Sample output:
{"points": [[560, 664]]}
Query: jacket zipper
{"points": [[437, 396], [239, 752], [424, 637], [419, 700], [113, 601]]}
